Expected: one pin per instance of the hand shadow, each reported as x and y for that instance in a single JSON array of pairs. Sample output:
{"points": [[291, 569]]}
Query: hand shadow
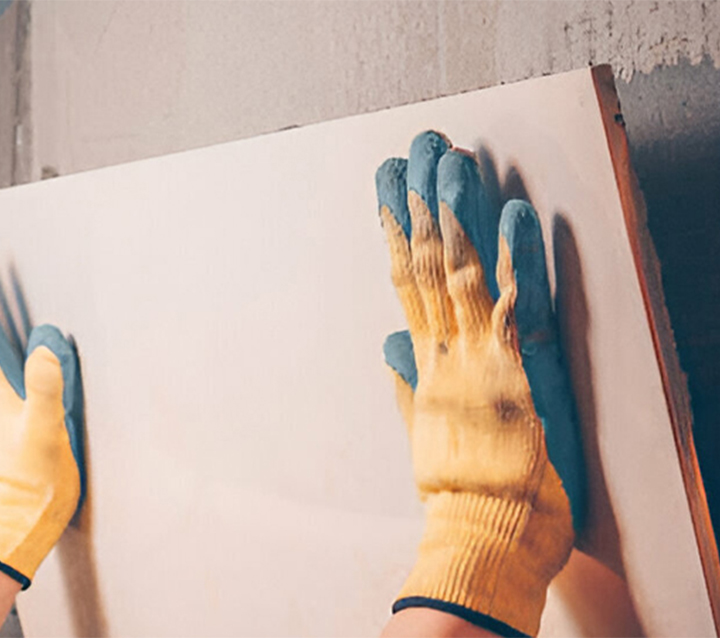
{"points": [[75, 548], [587, 577], [593, 582], [600, 538]]}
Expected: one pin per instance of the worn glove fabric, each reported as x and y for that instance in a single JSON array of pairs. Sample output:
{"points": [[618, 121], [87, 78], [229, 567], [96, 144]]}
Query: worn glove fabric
{"points": [[42, 480], [499, 521]]}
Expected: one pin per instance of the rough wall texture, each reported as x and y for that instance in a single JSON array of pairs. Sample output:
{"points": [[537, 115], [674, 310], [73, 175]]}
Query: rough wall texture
{"points": [[546, 37], [116, 81], [15, 73]]}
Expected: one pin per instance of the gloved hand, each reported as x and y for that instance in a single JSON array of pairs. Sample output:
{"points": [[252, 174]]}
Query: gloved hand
{"points": [[42, 477], [482, 388]]}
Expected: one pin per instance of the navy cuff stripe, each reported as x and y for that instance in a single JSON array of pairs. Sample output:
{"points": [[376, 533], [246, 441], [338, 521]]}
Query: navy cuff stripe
{"points": [[475, 617], [15, 575]]}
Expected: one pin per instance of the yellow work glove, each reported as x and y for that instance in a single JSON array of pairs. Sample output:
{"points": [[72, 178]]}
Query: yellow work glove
{"points": [[499, 522], [42, 479]]}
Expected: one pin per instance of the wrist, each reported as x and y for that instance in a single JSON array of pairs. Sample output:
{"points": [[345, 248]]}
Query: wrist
{"points": [[493, 555], [9, 587]]}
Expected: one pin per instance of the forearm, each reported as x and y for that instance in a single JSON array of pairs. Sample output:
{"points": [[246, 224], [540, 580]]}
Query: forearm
{"points": [[8, 590], [421, 622]]}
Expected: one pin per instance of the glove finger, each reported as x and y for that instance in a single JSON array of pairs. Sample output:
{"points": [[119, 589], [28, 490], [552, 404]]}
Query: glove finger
{"points": [[400, 356], [426, 243], [541, 356], [461, 187], [391, 188], [520, 227], [425, 152], [391, 185], [52, 373], [459, 192]]}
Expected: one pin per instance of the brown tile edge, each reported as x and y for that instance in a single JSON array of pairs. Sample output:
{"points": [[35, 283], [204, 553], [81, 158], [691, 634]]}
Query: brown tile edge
{"points": [[674, 380]]}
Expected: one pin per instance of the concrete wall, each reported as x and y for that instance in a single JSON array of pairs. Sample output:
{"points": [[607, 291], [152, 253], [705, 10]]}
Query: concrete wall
{"points": [[116, 81]]}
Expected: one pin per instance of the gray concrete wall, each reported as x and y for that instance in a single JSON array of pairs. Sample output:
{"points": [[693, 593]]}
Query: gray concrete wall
{"points": [[115, 81], [15, 74]]}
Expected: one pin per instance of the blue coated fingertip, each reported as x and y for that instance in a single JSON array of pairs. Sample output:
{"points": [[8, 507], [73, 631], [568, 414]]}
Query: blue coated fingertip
{"points": [[50, 337], [73, 400], [520, 226], [425, 153], [460, 187], [391, 187], [400, 356]]}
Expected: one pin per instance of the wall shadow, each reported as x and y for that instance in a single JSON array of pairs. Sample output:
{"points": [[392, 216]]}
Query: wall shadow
{"points": [[597, 599], [593, 584], [600, 538], [514, 185], [597, 575], [490, 177], [76, 552]]}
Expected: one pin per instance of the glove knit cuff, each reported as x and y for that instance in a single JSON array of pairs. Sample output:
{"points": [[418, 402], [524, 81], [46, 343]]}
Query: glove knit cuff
{"points": [[491, 554]]}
